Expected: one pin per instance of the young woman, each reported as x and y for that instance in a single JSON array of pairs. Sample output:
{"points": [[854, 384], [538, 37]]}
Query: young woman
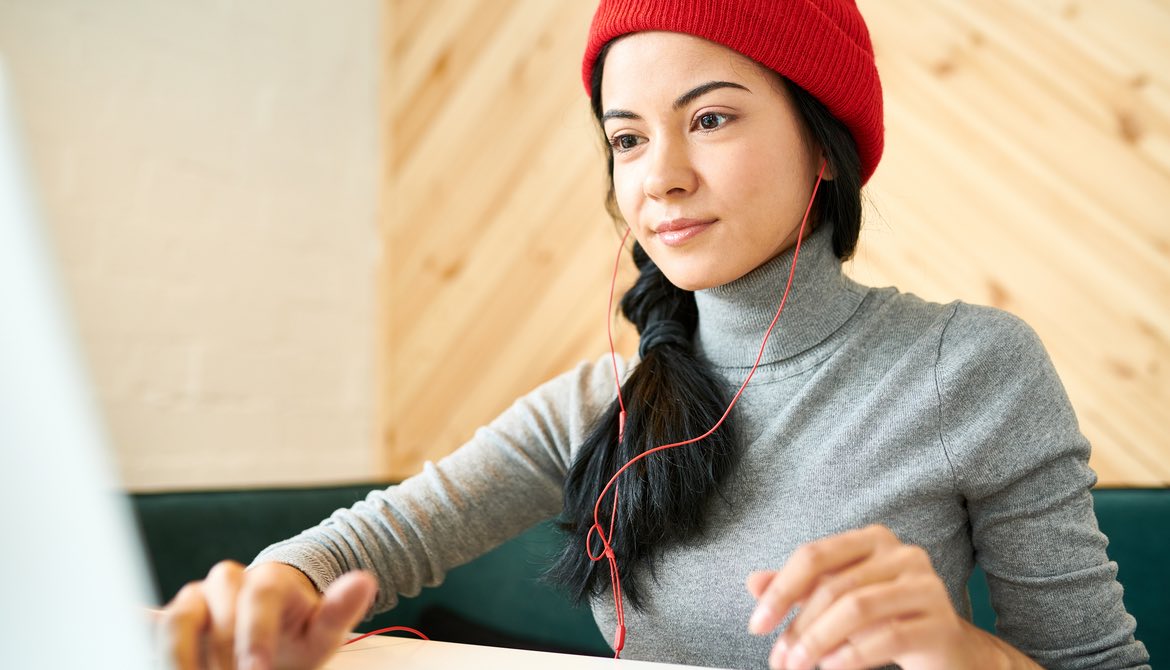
{"points": [[883, 447]]}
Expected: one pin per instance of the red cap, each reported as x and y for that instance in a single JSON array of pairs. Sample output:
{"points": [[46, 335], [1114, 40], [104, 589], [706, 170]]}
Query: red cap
{"points": [[820, 45]]}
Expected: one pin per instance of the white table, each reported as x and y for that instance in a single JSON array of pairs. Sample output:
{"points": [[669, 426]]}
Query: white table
{"points": [[400, 653]]}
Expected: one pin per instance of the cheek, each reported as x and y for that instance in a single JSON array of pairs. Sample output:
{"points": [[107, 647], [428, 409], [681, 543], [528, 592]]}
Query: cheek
{"points": [[740, 180], [768, 182], [627, 188]]}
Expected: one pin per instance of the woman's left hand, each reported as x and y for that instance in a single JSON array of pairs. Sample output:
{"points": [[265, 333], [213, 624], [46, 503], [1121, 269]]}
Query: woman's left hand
{"points": [[865, 600]]}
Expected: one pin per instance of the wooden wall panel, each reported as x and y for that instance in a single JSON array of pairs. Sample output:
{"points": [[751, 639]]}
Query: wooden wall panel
{"points": [[498, 250], [1027, 166]]}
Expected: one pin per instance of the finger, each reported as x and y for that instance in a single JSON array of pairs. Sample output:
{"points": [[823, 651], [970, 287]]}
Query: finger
{"points": [[807, 565], [343, 605], [221, 590], [269, 599], [758, 581], [856, 612], [183, 624], [345, 602], [880, 567], [879, 646]]}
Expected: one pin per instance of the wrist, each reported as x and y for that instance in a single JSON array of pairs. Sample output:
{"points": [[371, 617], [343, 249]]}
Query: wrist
{"points": [[988, 651], [289, 574], [297, 575]]}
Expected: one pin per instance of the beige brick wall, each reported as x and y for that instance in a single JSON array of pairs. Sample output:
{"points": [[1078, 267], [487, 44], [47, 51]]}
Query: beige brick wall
{"points": [[210, 173]]}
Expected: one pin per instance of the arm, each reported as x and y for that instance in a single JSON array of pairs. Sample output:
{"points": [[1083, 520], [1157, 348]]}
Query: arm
{"points": [[1021, 462], [866, 598], [293, 605], [506, 478]]}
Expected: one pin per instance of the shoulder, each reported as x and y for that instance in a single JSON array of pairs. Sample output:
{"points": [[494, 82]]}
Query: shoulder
{"points": [[890, 322], [965, 327], [980, 339], [1004, 415], [575, 398], [995, 376], [966, 344], [957, 317], [591, 383]]}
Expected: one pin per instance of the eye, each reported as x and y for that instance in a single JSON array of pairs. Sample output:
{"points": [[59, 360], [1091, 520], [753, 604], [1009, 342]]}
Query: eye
{"points": [[710, 121], [625, 142]]}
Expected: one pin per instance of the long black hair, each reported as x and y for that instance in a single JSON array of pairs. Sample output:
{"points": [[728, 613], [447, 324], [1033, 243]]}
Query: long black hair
{"points": [[673, 395]]}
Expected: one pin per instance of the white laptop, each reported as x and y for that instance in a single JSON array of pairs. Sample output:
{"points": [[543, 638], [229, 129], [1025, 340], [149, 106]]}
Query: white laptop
{"points": [[74, 575]]}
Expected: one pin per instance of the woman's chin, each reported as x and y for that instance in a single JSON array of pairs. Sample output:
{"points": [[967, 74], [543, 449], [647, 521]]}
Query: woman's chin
{"points": [[697, 268], [692, 280]]}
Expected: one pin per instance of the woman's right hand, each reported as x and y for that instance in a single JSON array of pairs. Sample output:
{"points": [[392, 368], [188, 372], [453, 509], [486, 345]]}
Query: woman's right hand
{"points": [[266, 618]]}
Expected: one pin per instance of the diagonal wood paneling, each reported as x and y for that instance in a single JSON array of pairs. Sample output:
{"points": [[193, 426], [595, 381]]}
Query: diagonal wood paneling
{"points": [[1027, 166], [496, 239]]}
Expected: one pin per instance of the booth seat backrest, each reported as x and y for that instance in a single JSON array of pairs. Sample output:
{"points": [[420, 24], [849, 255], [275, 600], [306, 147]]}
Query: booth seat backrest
{"points": [[499, 598]]}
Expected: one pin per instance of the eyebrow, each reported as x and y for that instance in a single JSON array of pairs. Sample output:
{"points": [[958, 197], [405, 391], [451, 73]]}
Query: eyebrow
{"points": [[679, 102]]}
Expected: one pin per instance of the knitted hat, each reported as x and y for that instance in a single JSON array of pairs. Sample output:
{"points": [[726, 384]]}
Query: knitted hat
{"points": [[820, 45]]}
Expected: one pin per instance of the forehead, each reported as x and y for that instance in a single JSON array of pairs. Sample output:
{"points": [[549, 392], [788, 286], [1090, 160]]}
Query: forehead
{"points": [[647, 64]]}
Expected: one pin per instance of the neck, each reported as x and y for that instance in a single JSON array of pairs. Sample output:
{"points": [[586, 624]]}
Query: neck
{"points": [[734, 317]]}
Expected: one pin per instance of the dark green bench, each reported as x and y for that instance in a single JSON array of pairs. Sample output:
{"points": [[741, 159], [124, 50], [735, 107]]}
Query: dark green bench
{"points": [[499, 599]]}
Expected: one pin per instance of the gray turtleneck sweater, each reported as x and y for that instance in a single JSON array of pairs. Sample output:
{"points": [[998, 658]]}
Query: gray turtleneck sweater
{"points": [[946, 423]]}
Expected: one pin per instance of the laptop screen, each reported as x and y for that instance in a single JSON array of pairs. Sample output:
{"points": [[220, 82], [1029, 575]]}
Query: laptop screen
{"points": [[75, 581]]}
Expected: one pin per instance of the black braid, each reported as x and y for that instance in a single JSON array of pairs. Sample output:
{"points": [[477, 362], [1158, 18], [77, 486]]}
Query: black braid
{"points": [[671, 396]]}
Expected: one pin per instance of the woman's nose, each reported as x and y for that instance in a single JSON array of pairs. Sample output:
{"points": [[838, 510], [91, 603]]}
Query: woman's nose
{"points": [[670, 173]]}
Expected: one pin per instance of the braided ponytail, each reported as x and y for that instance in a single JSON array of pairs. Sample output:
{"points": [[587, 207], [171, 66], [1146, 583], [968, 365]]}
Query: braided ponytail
{"points": [[671, 396]]}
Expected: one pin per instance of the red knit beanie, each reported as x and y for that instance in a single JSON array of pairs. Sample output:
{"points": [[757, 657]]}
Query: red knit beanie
{"points": [[820, 45]]}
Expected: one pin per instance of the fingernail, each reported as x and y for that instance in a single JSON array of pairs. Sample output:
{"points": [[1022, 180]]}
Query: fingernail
{"points": [[779, 655], [253, 662], [833, 661], [798, 658], [760, 620]]}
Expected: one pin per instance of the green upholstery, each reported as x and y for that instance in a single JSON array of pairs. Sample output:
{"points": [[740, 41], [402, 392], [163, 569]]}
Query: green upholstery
{"points": [[186, 533]]}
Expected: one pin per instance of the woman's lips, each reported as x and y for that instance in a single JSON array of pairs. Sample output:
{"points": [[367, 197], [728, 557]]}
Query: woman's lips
{"points": [[678, 231]]}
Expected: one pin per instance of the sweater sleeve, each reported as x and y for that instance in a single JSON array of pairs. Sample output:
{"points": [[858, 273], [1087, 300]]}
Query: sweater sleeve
{"points": [[1021, 463], [506, 478]]}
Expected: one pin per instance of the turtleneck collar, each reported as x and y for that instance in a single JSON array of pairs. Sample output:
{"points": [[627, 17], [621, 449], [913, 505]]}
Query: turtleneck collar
{"points": [[734, 317]]}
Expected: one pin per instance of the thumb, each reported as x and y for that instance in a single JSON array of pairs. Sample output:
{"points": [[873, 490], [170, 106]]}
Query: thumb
{"points": [[344, 604], [757, 582]]}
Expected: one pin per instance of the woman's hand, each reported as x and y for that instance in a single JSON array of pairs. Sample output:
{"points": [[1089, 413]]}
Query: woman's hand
{"points": [[865, 600], [265, 618]]}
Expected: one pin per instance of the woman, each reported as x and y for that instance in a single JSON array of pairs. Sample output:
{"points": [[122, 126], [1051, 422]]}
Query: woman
{"points": [[883, 445]]}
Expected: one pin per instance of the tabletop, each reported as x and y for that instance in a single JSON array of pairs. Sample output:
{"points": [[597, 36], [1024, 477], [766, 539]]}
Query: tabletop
{"points": [[383, 652]]}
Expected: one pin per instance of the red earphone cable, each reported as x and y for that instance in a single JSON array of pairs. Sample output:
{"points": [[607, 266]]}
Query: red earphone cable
{"points": [[607, 549], [385, 630], [609, 331], [607, 552]]}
